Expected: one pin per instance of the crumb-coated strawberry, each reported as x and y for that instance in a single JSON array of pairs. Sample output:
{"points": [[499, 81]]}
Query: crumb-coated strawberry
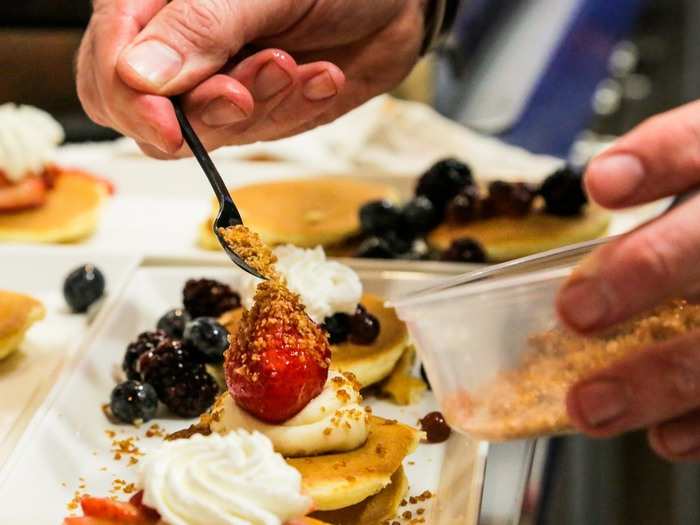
{"points": [[278, 361], [117, 511], [29, 193]]}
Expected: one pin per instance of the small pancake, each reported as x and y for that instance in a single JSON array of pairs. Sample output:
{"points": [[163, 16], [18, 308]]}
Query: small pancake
{"points": [[506, 238], [70, 214], [368, 363], [17, 314], [336, 481], [319, 211], [374, 510], [372, 363]]}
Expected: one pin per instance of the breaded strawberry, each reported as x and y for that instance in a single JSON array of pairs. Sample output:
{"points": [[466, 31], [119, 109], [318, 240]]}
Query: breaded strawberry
{"points": [[116, 511], [28, 193], [278, 361]]}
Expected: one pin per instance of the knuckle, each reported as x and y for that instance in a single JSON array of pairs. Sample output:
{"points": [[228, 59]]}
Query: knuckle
{"points": [[200, 22], [654, 258], [680, 373]]}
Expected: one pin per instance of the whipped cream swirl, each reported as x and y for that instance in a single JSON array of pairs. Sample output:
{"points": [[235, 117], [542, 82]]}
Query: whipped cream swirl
{"points": [[236, 479], [332, 422], [28, 140], [326, 287]]}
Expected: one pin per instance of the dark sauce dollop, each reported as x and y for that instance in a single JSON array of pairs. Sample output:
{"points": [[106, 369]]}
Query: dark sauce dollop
{"points": [[435, 428]]}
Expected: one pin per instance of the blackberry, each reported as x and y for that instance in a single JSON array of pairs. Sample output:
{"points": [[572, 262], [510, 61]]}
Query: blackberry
{"points": [[465, 251], [167, 364], [443, 181], [208, 298], [338, 328], [145, 342], [380, 217], [193, 393], [82, 287], [132, 401], [563, 192], [511, 200], [173, 322]]}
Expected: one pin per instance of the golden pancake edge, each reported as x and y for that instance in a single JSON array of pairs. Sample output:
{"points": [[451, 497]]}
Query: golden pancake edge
{"points": [[18, 312]]}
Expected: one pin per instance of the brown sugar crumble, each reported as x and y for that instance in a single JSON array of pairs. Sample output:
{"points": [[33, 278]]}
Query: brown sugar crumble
{"points": [[530, 399], [249, 246]]}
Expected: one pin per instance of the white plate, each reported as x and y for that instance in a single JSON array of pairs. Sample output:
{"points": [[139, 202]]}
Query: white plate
{"points": [[26, 375], [66, 448]]}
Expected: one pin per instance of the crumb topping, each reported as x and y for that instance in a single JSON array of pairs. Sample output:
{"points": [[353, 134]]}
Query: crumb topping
{"points": [[249, 246]]}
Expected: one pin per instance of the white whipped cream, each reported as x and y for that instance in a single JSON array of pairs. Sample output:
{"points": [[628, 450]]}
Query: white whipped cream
{"points": [[236, 479], [326, 287], [332, 422], [28, 140]]}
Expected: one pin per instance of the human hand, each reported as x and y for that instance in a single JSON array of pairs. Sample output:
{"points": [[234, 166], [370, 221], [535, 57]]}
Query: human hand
{"points": [[225, 58], [658, 389]]}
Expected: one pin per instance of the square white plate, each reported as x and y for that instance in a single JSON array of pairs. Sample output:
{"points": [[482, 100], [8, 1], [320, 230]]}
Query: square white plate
{"points": [[66, 448], [27, 375]]}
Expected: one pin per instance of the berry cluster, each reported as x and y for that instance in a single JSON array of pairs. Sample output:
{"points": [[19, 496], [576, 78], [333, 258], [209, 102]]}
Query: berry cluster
{"points": [[448, 192], [360, 328], [169, 364]]}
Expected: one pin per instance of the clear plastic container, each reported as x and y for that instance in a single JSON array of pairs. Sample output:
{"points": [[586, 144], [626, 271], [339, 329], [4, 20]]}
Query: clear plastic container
{"points": [[498, 362]]}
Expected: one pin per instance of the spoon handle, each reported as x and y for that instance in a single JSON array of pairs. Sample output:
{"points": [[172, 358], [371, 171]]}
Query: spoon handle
{"points": [[200, 153]]}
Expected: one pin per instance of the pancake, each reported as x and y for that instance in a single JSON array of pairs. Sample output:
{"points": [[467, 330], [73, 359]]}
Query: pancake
{"points": [[320, 211], [17, 314], [337, 481], [70, 214], [368, 363], [374, 510], [372, 363], [506, 238]]}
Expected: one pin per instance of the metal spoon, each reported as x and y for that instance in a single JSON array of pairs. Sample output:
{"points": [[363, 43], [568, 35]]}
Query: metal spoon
{"points": [[228, 213]]}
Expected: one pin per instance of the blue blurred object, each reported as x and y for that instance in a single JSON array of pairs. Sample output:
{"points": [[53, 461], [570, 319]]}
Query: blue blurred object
{"points": [[526, 70]]}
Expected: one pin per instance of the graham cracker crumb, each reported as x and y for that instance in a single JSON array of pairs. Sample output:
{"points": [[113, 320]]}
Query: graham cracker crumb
{"points": [[249, 247]]}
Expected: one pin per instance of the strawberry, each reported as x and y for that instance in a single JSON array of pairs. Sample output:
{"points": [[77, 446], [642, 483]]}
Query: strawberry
{"points": [[278, 361], [111, 510], [29, 193], [87, 520], [137, 501]]}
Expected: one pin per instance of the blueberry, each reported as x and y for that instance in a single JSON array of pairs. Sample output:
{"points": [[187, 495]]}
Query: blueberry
{"points": [[375, 248], [208, 337], [563, 193], [510, 199], [419, 216], [133, 401], [338, 328], [173, 322], [83, 287], [397, 242], [379, 217], [443, 181], [465, 251], [465, 207], [364, 327]]}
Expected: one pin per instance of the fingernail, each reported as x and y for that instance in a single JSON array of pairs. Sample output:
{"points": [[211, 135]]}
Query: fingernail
{"points": [[584, 304], [601, 402], [271, 80], [154, 62], [679, 442], [625, 173], [222, 112], [320, 87]]}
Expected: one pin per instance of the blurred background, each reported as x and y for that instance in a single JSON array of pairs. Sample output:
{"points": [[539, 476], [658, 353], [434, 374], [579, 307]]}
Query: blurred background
{"points": [[562, 77]]}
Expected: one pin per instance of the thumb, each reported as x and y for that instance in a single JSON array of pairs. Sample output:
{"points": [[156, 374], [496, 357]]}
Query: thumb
{"points": [[190, 40]]}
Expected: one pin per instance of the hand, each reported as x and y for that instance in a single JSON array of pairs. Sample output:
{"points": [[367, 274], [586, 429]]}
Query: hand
{"points": [[223, 57], [658, 389]]}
